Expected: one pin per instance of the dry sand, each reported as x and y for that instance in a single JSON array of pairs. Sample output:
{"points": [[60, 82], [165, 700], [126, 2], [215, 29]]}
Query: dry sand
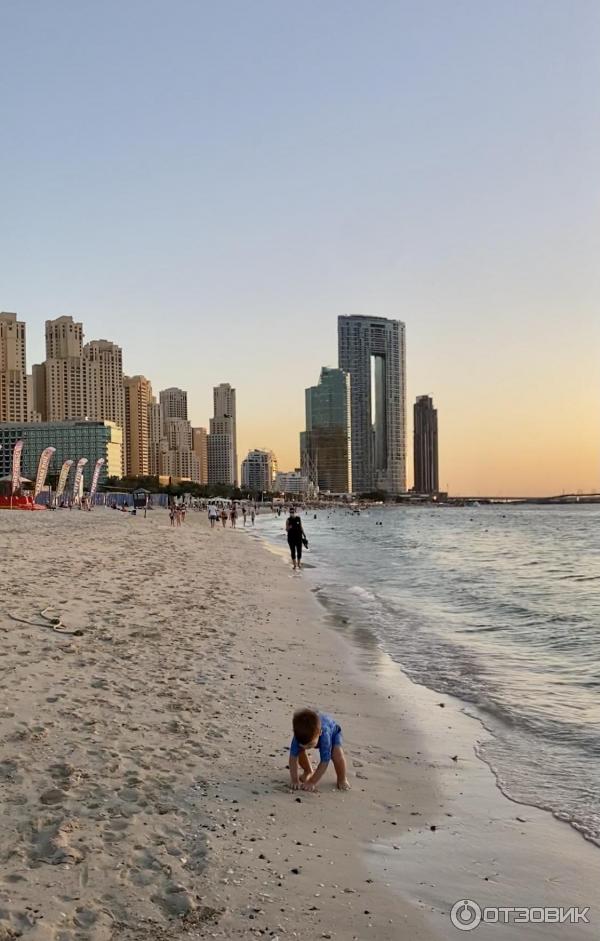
{"points": [[143, 764]]}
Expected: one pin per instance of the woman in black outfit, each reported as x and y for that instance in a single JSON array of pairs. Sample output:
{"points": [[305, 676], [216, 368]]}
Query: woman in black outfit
{"points": [[295, 537]]}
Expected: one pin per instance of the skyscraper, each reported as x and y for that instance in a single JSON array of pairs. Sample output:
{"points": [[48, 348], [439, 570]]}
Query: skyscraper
{"points": [[103, 367], [325, 445], [14, 404], [179, 434], [258, 471], [77, 381], [173, 403], [200, 449], [64, 338], [426, 446], [173, 453], [372, 350], [38, 386], [155, 437], [137, 395], [222, 440], [221, 469], [64, 370]]}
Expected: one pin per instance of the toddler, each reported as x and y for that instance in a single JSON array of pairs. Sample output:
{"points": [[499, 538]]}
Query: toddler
{"points": [[316, 730]]}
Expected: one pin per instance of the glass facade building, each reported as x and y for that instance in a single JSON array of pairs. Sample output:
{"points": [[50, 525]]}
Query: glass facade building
{"points": [[372, 350], [426, 446], [72, 440], [326, 444]]}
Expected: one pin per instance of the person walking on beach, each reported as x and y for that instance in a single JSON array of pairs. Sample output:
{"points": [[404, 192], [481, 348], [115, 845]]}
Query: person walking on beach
{"points": [[252, 515], [224, 517], [244, 513], [296, 537], [212, 515], [233, 515]]}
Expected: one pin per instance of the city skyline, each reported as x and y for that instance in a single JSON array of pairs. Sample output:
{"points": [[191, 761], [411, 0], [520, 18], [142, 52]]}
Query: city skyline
{"points": [[213, 209], [247, 440]]}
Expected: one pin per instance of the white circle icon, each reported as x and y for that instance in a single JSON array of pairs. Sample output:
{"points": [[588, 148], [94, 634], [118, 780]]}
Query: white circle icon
{"points": [[465, 914]]}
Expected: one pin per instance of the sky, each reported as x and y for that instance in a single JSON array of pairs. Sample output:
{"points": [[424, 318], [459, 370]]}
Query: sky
{"points": [[211, 185]]}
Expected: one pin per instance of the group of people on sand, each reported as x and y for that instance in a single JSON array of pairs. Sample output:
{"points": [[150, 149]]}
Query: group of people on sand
{"points": [[230, 513], [177, 514]]}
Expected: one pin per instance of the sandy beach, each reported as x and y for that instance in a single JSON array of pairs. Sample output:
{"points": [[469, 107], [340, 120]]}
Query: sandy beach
{"points": [[143, 756]]}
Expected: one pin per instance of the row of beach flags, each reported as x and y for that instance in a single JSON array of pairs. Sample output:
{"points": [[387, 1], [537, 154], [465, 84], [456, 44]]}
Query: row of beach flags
{"points": [[42, 472]]}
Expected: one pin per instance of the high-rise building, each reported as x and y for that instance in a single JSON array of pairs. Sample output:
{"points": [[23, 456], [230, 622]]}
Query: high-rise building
{"points": [[225, 409], [66, 392], [181, 464], [103, 364], [220, 459], [172, 452], [14, 405], [292, 482], [222, 440], [179, 434], [32, 414], [200, 449], [325, 445], [38, 388], [64, 338], [155, 436], [138, 396], [426, 446], [78, 382], [258, 471], [173, 403], [372, 351]]}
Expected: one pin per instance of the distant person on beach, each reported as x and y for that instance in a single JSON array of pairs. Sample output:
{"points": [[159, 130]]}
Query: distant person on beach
{"points": [[172, 515], [212, 515], [316, 730], [244, 514], [224, 517], [233, 515], [296, 537], [252, 515]]}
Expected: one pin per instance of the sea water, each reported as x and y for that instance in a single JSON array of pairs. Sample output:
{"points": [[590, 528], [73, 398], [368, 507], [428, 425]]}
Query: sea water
{"points": [[499, 606]]}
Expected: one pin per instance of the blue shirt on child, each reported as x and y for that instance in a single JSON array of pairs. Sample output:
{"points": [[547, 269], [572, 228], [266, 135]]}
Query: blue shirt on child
{"points": [[331, 735]]}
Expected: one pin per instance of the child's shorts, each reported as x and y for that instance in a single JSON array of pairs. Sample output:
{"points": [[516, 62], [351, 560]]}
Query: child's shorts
{"points": [[336, 738]]}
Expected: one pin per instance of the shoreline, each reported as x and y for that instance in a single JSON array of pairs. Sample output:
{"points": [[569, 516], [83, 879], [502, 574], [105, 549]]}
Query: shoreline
{"points": [[515, 755], [553, 867], [143, 765]]}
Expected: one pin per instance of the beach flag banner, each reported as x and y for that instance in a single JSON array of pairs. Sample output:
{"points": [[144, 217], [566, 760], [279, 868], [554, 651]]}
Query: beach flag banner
{"points": [[40, 480], [95, 478], [62, 480], [16, 466], [78, 478]]}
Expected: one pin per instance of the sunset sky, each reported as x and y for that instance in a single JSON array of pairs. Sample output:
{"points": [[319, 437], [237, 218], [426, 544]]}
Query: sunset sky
{"points": [[211, 185]]}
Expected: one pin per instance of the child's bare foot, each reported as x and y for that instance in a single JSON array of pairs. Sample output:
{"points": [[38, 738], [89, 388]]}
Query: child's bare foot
{"points": [[343, 785]]}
